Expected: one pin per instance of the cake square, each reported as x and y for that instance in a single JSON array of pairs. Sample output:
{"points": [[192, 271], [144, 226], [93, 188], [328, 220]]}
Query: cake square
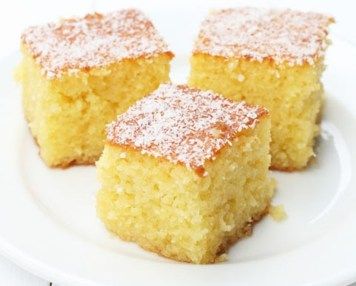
{"points": [[78, 74], [184, 173], [272, 58]]}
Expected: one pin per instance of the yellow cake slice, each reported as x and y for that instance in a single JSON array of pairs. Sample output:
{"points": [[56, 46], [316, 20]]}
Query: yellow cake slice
{"points": [[184, 173], [78, 74], [273, 58]]}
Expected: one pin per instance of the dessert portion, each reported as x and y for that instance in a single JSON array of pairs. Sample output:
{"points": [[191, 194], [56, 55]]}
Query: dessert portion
{"points": [[78, 74], [184, 173], [273, 58]]}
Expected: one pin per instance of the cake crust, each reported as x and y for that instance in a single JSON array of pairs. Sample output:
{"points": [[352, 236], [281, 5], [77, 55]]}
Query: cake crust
{"points": [[168, 209], [95, 40], [281, 36], [182, 124]]}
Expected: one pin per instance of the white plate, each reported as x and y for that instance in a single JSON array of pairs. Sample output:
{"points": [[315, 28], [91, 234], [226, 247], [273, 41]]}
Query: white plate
{"points": [[49, 227]]}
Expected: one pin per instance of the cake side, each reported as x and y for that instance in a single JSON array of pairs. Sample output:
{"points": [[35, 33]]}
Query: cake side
{"points": [[169, 209], [292, 94], [67, 114], [274, 58]]}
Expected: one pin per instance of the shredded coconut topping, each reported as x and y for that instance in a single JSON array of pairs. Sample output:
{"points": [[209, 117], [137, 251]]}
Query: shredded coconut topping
{"points": [[257, 34], [182, 124], [93, 41]]}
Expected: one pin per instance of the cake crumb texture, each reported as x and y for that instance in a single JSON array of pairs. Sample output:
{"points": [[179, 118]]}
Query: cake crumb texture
{"points": [[78, 75], [272, 58], [163, 204], [277, 212]]}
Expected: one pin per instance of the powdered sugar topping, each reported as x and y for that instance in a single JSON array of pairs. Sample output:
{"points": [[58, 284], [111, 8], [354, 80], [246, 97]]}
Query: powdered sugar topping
{"points": [[257, 34], [93, 41], [182, 124]]}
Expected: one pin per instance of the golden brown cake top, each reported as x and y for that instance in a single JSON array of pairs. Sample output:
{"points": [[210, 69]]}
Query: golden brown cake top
{"points": [[182, 124], [257, 34], [93, 41]]}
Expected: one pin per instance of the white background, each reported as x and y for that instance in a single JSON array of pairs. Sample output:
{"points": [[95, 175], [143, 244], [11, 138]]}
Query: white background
{"points": [[15, 15]]}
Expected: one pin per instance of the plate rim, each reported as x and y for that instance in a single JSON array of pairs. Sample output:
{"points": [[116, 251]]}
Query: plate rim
{"points": [[52, 274]]}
